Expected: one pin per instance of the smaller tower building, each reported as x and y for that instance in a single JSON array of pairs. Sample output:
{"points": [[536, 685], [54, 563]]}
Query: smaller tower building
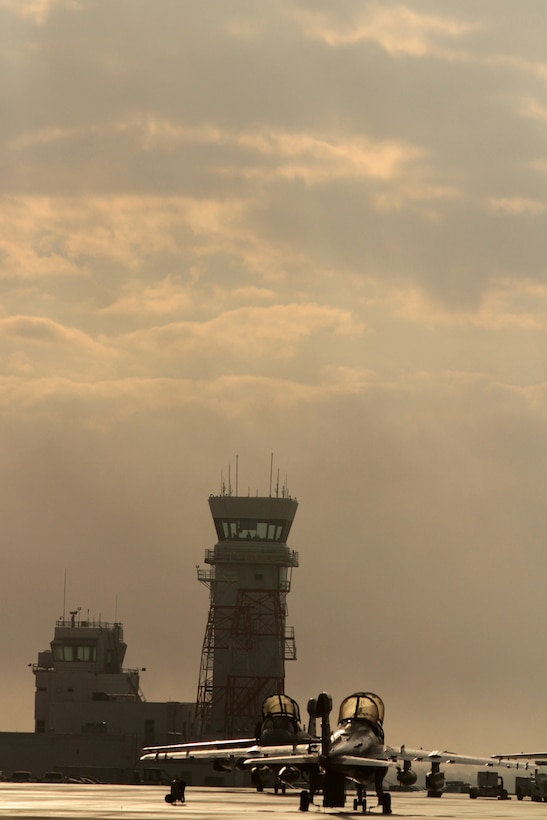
{"points": [[83, 688]]}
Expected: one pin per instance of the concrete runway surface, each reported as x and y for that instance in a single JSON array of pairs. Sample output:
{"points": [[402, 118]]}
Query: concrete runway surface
{"points": [[79, 802]]}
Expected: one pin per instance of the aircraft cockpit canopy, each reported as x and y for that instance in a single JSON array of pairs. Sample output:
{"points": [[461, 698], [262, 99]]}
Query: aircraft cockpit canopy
{"points": [[362, 706], [281, 706]]}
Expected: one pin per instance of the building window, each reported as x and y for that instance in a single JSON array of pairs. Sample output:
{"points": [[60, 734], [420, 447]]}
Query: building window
{"points": [[249, 529], [75, 652], [149, 732]]}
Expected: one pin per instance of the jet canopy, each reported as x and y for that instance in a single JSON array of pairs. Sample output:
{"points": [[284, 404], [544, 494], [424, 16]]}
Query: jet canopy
{"points": [[280, 706], [362, 706]]}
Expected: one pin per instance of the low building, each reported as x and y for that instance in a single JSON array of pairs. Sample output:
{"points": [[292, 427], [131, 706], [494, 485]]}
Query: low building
{"points": [[91, 717]]}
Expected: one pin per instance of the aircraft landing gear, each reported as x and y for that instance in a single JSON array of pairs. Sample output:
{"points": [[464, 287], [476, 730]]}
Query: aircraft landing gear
{"points": [[176, 795], [304, 801], [386, 803], [360, 800]]}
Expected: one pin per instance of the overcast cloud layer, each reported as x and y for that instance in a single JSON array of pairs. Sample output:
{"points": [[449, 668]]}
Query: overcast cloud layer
{"points": [[309, 228]]}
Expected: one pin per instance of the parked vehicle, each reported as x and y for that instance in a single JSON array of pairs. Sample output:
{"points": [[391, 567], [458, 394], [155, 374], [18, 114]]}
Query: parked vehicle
{"points": [[54, 777], [489, 784], [533, 787], [22, 777]]}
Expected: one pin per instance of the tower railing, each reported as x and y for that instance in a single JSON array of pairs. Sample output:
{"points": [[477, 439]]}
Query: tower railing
{"points": [[282, 556]]}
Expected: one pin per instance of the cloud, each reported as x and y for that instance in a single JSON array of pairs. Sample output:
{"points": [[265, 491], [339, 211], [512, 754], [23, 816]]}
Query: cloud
{"points": [[516, 206], [508, 304], [173, 295], [37, 11], [41, 329], [45, 350], [101, 405], [315, 158], [398, 29], [245, 334], [54, 236]]}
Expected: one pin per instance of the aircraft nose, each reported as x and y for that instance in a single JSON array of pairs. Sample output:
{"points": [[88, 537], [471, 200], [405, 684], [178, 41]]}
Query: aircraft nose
{"points": [[349, 747]]}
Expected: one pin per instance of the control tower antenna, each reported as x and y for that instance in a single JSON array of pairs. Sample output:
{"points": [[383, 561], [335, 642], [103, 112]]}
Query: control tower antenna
{"points": [[64, 596], [246, 639]]}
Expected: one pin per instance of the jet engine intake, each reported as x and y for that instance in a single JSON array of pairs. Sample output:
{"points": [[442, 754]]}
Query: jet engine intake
{"points": [[222, 764], [261, 776], [289, 774]]}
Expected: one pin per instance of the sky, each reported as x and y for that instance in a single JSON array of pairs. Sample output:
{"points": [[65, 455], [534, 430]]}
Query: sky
{"points": [[317, 230]]}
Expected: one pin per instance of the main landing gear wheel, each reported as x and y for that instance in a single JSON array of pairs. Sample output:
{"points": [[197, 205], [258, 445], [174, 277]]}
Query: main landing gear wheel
{"points": [[386, 803], [304, 801]]}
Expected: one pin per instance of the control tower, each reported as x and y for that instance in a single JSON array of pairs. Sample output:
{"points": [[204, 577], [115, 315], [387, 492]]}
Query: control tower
{"points": [[246, 639]]}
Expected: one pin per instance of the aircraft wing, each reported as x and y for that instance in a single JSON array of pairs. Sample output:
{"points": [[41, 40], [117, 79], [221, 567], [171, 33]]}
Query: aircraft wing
{"points": [[522, 756], [314, 757], [366, 762], [207, 749], [289, 759], [426, 756], [220, 749]]}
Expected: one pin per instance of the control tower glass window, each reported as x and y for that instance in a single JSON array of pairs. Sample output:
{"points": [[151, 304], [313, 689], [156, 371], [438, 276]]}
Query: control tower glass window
{"points": [[74, 652], [243, 529]]}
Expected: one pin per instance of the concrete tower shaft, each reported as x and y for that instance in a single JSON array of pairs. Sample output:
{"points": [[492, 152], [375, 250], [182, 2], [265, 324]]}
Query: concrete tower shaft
{"points": [[246, 639]]}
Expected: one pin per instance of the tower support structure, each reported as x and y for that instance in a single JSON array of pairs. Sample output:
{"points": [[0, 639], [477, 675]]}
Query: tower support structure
{"points": [[247, 640]]}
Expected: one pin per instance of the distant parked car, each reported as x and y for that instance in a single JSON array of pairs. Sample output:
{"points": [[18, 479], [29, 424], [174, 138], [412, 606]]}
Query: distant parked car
{"points": [[54, 777], [22, 777]]}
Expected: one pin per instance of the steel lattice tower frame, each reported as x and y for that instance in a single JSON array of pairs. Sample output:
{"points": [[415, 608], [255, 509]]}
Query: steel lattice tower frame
{"points": [[247, 640]]}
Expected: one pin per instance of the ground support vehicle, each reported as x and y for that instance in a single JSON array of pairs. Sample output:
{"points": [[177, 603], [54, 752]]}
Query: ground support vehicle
{"points": [[489, 784], [533, 787]]}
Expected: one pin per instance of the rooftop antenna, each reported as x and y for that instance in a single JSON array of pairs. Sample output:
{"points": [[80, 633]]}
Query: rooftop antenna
{"points": [[64, 597], [271, 470], [116, 610], [277, 485]]}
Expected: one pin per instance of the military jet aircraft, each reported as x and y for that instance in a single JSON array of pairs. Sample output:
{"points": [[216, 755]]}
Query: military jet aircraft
{"points": [[279, 730], [354, 751]]}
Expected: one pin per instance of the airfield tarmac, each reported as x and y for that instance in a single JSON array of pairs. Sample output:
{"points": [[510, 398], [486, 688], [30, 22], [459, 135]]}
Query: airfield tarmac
{"points": [[75, 802]]}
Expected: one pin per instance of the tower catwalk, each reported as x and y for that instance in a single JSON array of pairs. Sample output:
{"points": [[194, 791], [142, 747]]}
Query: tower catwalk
{"points": [[246, 639]]}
